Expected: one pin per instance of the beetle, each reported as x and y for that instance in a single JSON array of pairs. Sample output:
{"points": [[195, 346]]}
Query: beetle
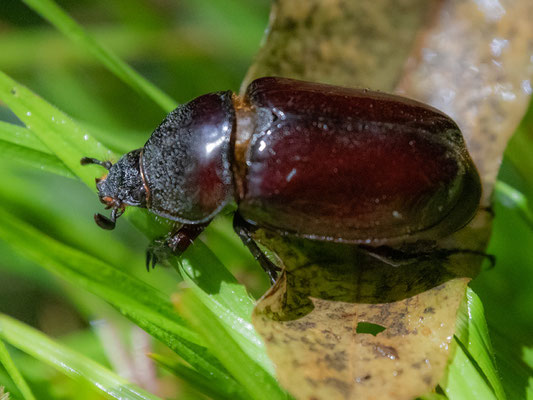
{"points": [[316, 161]]}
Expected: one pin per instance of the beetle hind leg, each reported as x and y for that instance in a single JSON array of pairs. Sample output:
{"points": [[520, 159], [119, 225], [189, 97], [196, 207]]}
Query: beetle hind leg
{"points": [[244, 231]]}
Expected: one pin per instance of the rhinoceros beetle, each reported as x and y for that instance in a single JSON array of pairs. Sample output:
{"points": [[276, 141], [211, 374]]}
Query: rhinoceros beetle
{"points": [[312, 160]]}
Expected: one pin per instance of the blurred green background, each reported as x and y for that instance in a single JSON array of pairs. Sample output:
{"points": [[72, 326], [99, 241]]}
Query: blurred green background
{"points": [[187, 48]]}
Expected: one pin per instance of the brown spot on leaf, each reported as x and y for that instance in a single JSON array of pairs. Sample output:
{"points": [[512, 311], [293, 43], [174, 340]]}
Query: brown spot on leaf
{"points": [[361, 379], [386, 351], [337, 360]]}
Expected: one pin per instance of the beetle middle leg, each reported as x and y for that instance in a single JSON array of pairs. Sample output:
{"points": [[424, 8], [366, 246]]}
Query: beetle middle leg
{"points": [[244, 231], [175, 243]]}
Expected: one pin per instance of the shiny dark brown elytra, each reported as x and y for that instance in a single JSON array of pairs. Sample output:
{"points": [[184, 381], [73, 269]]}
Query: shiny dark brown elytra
{"points": [[315, 161]]}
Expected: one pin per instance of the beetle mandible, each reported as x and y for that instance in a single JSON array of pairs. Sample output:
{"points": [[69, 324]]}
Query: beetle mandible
{"points": [[317, 161]]}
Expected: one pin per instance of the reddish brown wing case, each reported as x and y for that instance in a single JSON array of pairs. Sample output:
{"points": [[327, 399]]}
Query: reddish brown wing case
{"points": [[333, 163]]}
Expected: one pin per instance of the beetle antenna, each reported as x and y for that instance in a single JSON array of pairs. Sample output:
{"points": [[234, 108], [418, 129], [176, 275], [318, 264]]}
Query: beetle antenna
{"points": [[88, 160]]}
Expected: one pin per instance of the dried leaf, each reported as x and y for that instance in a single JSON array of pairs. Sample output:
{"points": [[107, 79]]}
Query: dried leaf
{"points": [[310, 318], [342, 42], [332, 361], [475, 63]]}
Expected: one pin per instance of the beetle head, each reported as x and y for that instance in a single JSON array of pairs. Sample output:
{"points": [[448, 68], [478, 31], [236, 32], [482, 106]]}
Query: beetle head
{"points": [[122, 186]]}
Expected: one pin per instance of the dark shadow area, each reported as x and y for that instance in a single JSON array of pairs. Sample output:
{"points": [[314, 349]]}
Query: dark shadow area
{"points": [[345, 273]]}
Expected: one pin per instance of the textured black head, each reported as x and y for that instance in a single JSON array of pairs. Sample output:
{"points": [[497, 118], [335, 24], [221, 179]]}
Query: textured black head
{"points": [[122, 186]]}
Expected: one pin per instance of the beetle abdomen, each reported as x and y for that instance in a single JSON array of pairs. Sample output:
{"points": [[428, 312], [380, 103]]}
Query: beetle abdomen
{"points": [[186, 162], [353, 165]]}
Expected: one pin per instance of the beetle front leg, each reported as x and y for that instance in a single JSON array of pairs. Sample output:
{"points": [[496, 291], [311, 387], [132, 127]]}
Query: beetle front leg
{"points": [[175, 243], [244, 231]]}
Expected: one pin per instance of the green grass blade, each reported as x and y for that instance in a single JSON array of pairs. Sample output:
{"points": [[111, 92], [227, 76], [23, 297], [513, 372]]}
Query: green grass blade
{"points": [[63, 22], [213, 388], [55, 130], [472, 373], [518, 149], [70, 362], [512, 198], [19, 143], [9, 365], [220, 292], [513, 365], [473, 333], [22, 136], [138, 301], [37, 159], [464, 380], [258, 383], [201, 267]]}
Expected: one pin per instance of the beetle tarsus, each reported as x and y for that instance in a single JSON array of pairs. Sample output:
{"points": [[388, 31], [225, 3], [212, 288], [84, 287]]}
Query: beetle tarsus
{"points": [[151, 259], [242, 229], [157, 252], [148, 259]]}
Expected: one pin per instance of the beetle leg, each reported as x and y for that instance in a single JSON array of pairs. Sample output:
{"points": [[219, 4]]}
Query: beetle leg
{"points": [[175, 243], [392, 261], [397, 258], [151, 258], [180, 239], [157, 251], [490, 257], [244, 231]]}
